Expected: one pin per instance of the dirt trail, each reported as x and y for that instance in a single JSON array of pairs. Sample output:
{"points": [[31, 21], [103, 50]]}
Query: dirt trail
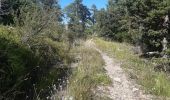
{"points": [[122, 87]]}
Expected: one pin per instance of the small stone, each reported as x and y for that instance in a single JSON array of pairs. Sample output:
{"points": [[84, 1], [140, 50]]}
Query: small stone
{"points": [[135, 89], [117, 80]]}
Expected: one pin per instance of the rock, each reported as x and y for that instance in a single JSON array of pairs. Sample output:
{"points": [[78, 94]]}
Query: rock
{"points": [[117, 80], [135, 89]]}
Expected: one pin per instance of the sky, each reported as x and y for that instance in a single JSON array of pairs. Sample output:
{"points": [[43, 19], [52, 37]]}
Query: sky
{"points": [[99, 3]]}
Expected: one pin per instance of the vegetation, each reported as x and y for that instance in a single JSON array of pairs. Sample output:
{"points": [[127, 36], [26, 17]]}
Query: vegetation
{"points": [[138, 22], [37, 48], [88, 75], [31, 54], [139, 69], [78, 15], [145, 25]]}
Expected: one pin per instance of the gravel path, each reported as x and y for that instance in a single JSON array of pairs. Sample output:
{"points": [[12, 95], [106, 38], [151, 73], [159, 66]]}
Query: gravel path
{"points": [[122, 87]]}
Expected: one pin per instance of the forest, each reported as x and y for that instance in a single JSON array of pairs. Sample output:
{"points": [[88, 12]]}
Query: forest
{"points": [[52, 53]]}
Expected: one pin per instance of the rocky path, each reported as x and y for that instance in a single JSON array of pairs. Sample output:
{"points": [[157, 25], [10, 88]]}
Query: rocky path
{"points": [[122, 87]]}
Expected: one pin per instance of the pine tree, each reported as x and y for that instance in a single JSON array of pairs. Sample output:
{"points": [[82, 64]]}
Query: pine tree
{"points": [[78, 15], [138, 22]]}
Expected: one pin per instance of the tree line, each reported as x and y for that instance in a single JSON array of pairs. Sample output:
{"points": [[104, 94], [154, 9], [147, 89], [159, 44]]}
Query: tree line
{"points": [[140, 22], [143, 23]]}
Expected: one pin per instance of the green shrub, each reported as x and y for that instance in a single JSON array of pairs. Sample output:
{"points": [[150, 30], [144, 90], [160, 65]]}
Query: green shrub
{"points": [[27, 70]]}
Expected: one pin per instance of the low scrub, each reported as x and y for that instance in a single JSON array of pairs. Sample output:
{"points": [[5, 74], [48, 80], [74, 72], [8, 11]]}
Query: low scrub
{"points": [[26, 71]]}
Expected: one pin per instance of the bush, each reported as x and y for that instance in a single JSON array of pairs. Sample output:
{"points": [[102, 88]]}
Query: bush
{"points": [[27, 70]]}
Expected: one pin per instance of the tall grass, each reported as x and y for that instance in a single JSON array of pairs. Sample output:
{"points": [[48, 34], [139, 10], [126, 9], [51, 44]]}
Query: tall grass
{"points": [[88, 75], [143, 71]]}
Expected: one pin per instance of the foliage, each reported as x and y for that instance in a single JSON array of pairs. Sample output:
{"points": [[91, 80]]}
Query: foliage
{"points": [[32, 52], [23, 68], [78, 16], [137, 22], [35, 46]]}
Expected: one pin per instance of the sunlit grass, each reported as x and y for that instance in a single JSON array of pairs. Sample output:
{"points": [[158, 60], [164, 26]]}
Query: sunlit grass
{"points": [[153, 82], [88, 75]]}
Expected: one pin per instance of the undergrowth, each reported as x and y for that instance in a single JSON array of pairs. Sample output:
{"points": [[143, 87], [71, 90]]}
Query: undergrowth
{"points": [[29, 69]]}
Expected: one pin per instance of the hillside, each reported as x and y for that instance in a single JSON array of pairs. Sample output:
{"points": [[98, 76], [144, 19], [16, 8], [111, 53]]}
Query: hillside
{"points": [[84, 50]]}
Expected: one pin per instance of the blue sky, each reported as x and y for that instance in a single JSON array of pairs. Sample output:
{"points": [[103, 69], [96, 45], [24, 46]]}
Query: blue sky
{"points": [[99, 3]]}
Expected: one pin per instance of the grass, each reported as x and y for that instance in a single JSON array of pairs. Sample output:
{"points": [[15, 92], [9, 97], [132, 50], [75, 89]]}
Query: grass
{"points": [[88, 75], [156, 83]]}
